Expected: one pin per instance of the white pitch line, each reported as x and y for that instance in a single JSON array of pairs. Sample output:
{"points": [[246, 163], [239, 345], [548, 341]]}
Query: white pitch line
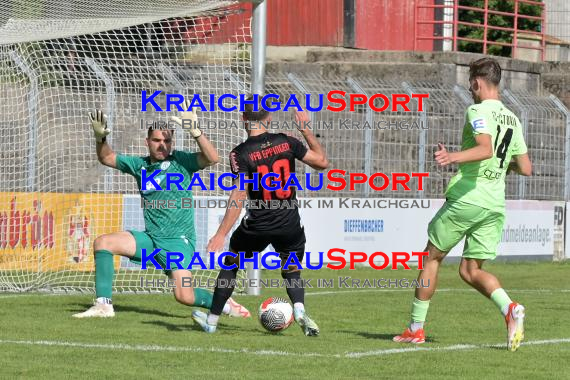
{"points": [[347, 355], [157, 348], [456, 347]]}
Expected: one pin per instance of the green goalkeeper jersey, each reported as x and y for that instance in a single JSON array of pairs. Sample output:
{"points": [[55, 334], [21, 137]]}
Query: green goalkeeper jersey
{"points": [[482, 183], [165, 222]]}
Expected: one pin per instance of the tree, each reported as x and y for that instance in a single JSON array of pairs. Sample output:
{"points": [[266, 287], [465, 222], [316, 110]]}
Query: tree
{"points": [[478, 17]]}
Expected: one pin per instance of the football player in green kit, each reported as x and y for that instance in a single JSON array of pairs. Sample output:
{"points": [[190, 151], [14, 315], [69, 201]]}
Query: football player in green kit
{"points": [[167, 229], [493, 145]]}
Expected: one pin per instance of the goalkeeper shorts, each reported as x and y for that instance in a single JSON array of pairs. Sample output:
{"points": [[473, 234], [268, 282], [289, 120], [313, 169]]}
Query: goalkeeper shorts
{"points": [[176, 244], [482, 229]]}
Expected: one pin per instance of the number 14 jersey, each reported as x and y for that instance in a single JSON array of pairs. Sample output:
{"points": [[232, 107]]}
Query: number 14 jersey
{"points": [[482, 183], [263, 154]]}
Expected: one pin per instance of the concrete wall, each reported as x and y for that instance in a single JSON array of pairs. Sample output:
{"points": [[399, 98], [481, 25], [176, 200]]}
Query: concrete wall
{"points": [[436, 67]]}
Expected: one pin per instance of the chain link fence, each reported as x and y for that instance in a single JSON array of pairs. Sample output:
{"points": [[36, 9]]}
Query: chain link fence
{"points": [[362, 141], [368, 142]]}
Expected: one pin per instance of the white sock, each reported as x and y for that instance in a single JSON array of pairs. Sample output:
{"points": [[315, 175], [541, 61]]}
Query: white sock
{"points": [[104, 300], [227, 308], [516, 309], [298, 307], [415, 326], [505, 310], [212, 319]]}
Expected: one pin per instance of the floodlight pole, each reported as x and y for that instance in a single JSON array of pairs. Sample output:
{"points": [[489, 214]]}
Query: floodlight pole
{"points": [[259, 40]]}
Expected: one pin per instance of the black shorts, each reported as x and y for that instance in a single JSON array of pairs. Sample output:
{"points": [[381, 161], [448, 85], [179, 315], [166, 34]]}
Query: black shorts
{"points": [[284, 241]]}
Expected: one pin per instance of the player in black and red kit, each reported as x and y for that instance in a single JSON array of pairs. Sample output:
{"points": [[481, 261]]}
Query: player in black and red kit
{"points": [[263, 153]]}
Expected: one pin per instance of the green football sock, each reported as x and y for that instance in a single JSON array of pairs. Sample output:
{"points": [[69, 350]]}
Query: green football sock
{"points": [[501, 299], [104, 272], [419, 310], [203, 298]]}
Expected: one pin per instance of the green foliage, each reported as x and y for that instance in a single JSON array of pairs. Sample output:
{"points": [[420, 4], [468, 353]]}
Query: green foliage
{"points": [[243, 52], [478, 17]]}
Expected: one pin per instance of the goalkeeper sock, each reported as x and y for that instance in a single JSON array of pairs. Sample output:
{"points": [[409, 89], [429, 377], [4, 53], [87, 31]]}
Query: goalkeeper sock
{"points": [[104, 272], [295, 289], [502, 300], [222, 294], [419, 313], [202, 298], [104, 300]]}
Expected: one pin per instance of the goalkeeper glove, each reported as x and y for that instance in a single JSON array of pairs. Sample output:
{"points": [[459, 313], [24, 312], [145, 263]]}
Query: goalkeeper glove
{"points": [[188, 120], [99, 125]]}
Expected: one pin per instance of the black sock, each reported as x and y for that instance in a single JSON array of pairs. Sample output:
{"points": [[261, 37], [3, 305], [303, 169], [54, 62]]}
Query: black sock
{"points": [[295, 289], [224, 292]]}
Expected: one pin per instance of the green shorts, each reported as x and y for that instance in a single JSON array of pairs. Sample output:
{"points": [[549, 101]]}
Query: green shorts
{"points": [[178, 244], [481, 227]]}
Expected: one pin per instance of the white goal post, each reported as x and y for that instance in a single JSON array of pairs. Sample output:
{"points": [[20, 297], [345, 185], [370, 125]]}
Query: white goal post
{"points": [[61, 59]]}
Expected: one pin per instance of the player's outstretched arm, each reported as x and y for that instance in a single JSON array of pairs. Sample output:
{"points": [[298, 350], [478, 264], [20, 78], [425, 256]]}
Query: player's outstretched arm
{"points": [[208, 155], [188, 120], [316, 156], [235, 204], [482, 151], [105, 154], [521, 165]]}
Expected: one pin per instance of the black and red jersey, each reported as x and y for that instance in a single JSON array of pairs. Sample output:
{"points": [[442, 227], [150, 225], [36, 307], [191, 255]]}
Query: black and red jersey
{"points": [[263, 154]]}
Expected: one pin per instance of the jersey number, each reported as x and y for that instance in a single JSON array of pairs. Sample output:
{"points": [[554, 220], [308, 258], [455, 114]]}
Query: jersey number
{"points": [[502, 149], [281, 167]]}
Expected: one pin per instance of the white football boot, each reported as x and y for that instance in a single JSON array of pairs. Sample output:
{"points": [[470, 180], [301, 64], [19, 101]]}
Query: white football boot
{"points": [[237, 310], [99, 310], [309, 327]]}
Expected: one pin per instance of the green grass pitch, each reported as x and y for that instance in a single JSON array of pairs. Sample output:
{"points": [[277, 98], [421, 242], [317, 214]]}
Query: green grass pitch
{"points": [[152, 336]]}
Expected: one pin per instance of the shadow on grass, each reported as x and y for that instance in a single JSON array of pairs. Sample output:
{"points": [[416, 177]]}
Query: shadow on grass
{"points": [[499, 347], [388, 337], [250, 331], [172, 326], [133, 309], [222, 328]]}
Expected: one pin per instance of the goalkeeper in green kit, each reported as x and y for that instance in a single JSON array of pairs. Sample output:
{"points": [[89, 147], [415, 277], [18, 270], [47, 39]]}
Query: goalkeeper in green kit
{"points": [[167, 229], [493, 145]]}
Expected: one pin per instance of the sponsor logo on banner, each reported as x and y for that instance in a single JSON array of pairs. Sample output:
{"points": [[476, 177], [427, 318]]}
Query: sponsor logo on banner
{"points": [[79, 234], [53, 231]]}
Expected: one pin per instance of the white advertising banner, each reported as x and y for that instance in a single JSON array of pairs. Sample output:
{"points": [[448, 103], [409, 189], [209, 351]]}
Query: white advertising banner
{"points": [[567, 237], [402, 226], [351, 224], [380, 224]]}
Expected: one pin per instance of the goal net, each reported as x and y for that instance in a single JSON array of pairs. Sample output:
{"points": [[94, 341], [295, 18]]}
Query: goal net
{"points": [[61, 59]]}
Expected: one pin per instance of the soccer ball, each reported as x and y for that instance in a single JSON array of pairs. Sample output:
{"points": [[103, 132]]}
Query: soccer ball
{"points": [[275, 314]]}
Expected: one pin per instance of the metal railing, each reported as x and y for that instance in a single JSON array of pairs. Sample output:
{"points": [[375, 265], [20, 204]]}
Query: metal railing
{"points": [[451, 8]]}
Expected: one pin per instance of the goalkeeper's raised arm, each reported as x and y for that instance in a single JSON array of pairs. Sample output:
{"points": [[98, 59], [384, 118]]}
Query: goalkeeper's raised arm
{"points": [[105, 154], [188, 120]]}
